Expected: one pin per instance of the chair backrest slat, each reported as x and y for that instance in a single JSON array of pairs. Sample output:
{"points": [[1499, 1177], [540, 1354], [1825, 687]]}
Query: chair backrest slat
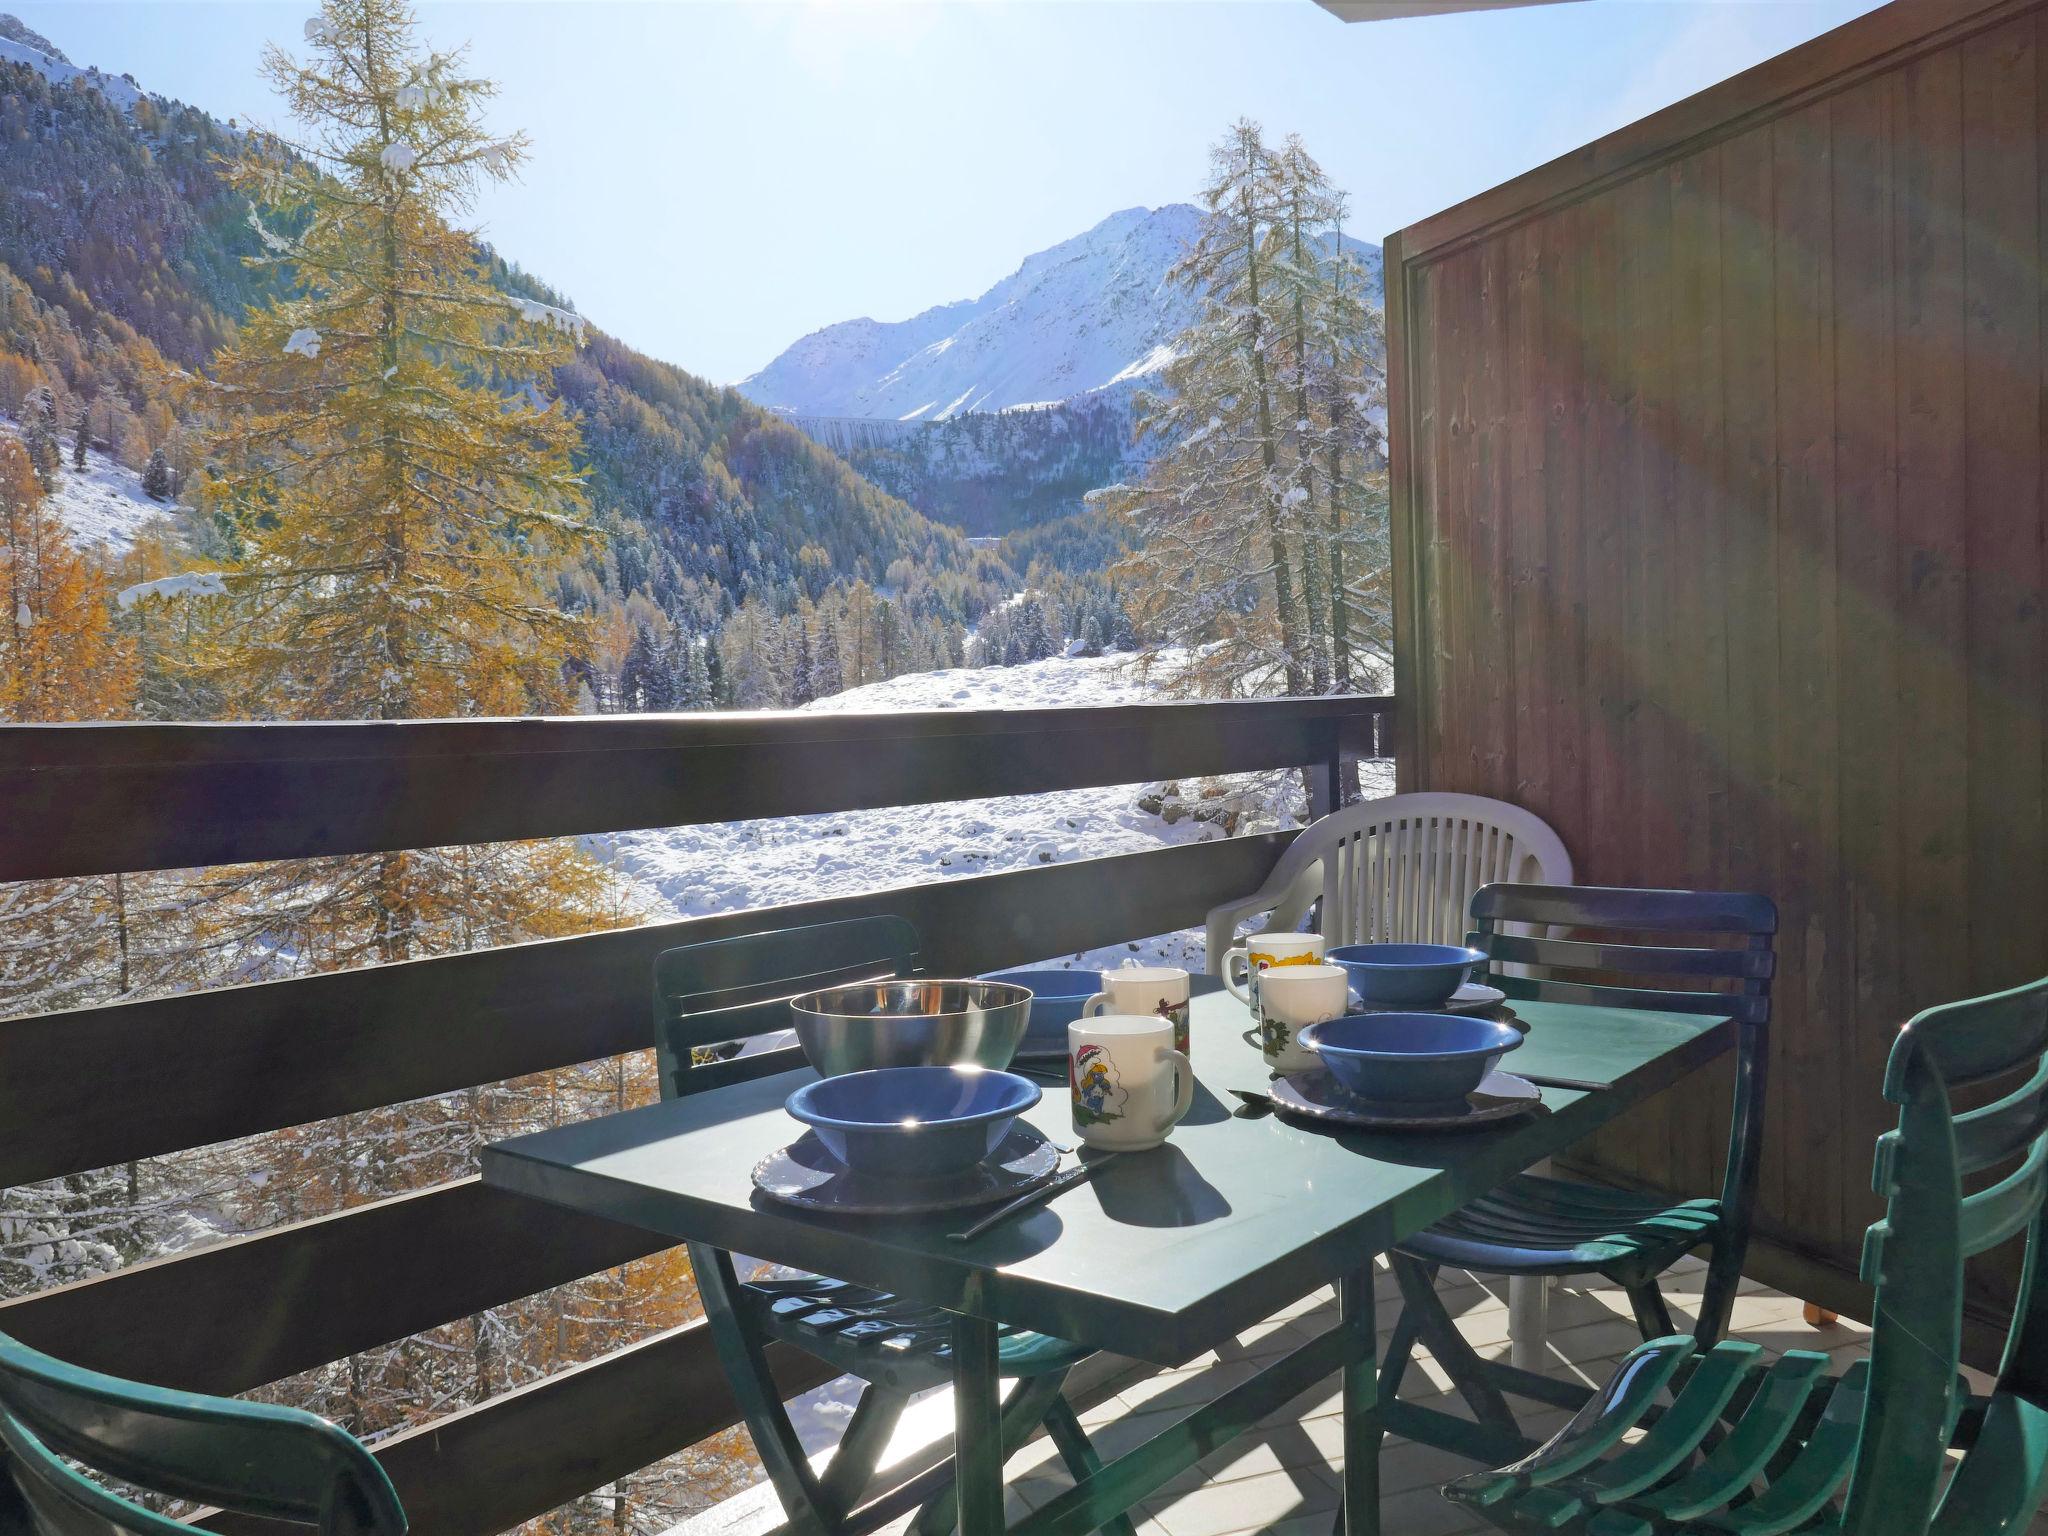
{"points": [[714, 997], [251, 1458], [1914, 1259], [1658, 960], [1994, 1133], [710, 998], [1623, 907], [1403, 868], [1743, 1009], [1990, 1216]]}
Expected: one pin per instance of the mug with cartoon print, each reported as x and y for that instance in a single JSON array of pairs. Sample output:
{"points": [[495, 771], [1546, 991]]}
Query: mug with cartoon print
{"points": [[1130, 1085], [1140, 989]]}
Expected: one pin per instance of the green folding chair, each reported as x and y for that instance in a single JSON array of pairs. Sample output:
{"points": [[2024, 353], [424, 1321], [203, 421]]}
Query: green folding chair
{"points": [[1751, 1447], [707, 999], [1645, 956], [249, 1458]]}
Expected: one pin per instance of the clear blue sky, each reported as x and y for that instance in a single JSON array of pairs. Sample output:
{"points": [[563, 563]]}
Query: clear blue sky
{"points": [[711, 180]]}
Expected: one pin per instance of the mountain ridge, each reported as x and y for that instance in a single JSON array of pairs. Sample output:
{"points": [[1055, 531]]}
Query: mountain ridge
{"points": [[1093, 315]]}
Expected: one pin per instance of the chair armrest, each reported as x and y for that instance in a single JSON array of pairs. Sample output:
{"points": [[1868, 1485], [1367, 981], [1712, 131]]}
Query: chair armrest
{"points": [[1287, 894]]}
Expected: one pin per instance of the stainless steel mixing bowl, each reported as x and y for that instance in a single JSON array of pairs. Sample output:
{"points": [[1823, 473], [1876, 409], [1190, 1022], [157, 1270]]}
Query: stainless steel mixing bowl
{"points": [[922, 1022]]}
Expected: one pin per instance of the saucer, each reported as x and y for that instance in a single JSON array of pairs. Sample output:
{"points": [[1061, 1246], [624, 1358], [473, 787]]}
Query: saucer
{"points": [[1316, 1095], [805, 1175]]}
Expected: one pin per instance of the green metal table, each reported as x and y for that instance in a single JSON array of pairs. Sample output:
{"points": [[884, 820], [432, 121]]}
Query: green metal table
{"points": [[1161, 1256]]}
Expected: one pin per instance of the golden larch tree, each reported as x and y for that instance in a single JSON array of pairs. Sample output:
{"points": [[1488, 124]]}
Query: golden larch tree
{"points": [[384, 447]]}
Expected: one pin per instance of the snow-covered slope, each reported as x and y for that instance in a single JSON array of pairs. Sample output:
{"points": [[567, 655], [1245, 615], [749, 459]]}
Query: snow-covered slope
{"points": [[21, 46], [693, 871], [102, 504], [1092, 313], [700, 870]]}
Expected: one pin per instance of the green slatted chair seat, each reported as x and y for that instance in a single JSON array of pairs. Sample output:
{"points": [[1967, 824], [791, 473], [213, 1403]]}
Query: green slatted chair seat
{"points": [[883, 1338], [1557, 1227], [1728, 1441]]}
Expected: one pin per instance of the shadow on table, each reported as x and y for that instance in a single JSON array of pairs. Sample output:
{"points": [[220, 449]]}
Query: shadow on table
{"points": [[1159, 1188]]}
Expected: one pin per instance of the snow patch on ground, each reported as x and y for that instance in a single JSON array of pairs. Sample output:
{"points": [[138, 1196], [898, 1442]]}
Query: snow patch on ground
{"points": [[103, 503], [697, 871]]}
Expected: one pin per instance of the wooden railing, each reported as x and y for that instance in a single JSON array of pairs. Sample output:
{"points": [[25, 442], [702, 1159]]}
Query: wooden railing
{"points": [[91, 1087]]}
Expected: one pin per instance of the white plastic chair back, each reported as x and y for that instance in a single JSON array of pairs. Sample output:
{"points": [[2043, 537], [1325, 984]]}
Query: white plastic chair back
{"points": [[1404, 869]]}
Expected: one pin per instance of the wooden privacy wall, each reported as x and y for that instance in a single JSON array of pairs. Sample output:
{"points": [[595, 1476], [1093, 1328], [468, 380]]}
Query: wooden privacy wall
{"points": [[1717, 452]]}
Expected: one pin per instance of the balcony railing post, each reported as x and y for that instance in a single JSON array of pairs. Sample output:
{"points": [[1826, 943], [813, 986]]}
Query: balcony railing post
{"points": [[1326, 783]]}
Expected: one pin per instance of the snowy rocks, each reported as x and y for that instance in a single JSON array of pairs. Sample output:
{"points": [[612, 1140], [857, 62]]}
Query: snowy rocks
{"points": [[1046, 853], [189, 584]]}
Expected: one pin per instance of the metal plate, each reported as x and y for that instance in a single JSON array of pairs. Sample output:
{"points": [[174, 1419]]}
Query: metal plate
{"points": [[1318, 1096], [805, 1175]]}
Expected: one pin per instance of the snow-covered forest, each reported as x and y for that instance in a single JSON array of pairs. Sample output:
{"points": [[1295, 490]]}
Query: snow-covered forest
{"points": [[226, 494]]}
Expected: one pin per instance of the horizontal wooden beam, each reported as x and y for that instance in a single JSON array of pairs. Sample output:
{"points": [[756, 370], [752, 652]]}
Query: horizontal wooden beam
{"points": [[251, 1310], [87, 800], [487, 1468], [202, 1067]]}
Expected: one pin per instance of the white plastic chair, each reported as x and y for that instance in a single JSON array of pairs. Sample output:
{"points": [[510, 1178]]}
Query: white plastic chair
{"points": [[1398, 870], [1403, 870]]}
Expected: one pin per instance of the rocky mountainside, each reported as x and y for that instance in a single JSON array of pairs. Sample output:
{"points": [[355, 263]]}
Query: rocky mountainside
{"points": [[1089, 316], [998, 414]]}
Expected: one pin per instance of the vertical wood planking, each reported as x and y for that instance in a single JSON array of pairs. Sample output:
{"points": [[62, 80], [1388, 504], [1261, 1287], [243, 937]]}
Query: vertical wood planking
{"points": [[1933, 701], [1565, 280], [1698, 614], [1450, 542], [1809, 1083], [1527, 571], [1777, 390], [1867, 567], [2001, 499]]}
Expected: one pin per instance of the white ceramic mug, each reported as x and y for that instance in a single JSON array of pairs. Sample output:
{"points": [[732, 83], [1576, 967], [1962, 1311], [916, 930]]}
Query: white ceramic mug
{"points": [[1292, 998], [1264, 952], [1130, 1086], [1141, 989]]}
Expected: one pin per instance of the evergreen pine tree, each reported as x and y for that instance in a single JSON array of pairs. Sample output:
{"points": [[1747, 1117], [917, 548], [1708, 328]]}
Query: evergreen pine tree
{"points": [[828, 674], [78, 441], [39, 435], [156, 479], [717, 692], [643, 679], [799, 690]]}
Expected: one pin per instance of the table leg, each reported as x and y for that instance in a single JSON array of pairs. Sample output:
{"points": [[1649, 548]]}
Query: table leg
{"points": [[1363, 1424], [977, 1427]]}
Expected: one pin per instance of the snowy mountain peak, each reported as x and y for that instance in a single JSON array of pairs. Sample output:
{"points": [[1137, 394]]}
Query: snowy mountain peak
{"points": [[20, 44], [1090, 314]]}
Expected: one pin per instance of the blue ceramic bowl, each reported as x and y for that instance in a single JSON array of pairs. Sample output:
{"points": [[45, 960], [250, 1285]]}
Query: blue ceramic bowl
{"points": [[1406, 975], [1410, 1058], [913, 1122], [1056, 999]]}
